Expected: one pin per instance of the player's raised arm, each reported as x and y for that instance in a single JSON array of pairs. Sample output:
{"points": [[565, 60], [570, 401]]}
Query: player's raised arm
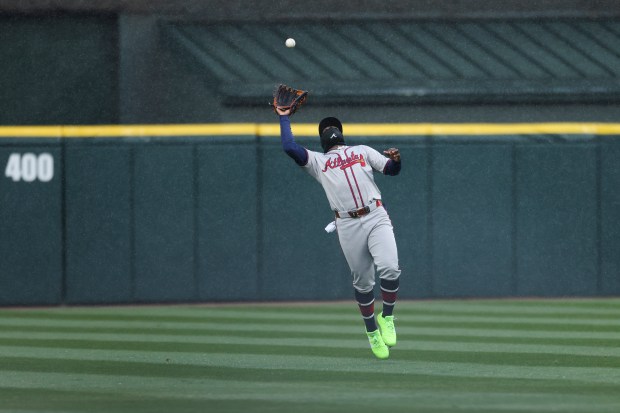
{"points": [[292, 148], [286, 101]]}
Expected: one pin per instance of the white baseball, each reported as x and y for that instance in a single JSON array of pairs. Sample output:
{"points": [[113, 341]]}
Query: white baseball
{"points": [[290, 42]]}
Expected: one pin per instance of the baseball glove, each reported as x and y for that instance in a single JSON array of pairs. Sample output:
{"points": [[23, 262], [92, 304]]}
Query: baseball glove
{"points": [[285, 97]]}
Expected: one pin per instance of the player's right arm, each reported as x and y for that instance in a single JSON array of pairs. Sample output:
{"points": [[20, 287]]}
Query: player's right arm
{"points": [[387, 166], [292, 148]]}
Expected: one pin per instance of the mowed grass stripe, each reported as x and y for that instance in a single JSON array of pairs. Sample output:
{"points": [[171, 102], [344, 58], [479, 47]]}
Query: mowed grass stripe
{"points": [[234, 382], [234, 395], [521, 355], [566, 339], [139, 363], [502, 313], [441, 363], [421, 311], [513, 311], [611, 303], [605, 308], [354, 327], [407, 342], [519, 323], [150, 341], [67, 401]]}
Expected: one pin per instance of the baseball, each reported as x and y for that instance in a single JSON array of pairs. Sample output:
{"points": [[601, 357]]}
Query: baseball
{"points": [[290, 42]]}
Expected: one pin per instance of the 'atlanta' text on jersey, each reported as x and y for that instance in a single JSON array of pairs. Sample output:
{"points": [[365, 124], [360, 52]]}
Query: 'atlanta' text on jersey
{"points": [[346, 175], [343, 164]]}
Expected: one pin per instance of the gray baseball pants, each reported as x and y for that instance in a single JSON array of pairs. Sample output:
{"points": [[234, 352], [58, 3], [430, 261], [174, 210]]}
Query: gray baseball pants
{"points": [[368, 242]]}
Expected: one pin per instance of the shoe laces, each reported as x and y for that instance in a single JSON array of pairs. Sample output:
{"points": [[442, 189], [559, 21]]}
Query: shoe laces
{"points": [[374, 340], [389, 324]]}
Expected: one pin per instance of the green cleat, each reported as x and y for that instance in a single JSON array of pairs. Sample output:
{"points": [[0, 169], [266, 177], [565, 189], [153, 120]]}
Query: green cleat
{"points": [[377, 345], [388, 331]]}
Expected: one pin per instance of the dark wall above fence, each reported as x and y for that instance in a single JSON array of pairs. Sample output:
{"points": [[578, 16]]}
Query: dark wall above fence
{"points": [[410, 62], [59, 69], [214, 10], [85, 69]]}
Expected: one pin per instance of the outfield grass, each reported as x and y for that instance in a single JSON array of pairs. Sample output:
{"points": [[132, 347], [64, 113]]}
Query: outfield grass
{"points": [[452, 356]]}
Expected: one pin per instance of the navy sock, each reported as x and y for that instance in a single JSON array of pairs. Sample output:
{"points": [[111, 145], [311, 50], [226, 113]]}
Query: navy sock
{"points": [[389, 288], [366, 303]]}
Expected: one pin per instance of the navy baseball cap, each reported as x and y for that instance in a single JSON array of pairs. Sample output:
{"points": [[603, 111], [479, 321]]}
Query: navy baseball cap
{"points": [[327, 122]]}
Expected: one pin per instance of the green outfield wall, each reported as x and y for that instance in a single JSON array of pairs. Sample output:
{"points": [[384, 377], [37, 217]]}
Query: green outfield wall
{"points": [[203, 213]]}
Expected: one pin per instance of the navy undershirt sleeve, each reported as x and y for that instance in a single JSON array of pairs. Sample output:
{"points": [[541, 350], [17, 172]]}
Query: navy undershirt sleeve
{"points": [[391, 168], [292, 148]]}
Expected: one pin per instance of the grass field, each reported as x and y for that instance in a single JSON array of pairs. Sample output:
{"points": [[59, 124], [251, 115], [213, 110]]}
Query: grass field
{"points": [[452, 356]]}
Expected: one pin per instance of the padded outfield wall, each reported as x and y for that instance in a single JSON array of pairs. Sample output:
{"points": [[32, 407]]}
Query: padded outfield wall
{"points": [[202, 213]]}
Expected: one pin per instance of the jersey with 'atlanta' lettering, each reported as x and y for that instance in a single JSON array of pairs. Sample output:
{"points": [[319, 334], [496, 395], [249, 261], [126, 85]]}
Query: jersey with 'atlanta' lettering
{"points": [[346, 174]]}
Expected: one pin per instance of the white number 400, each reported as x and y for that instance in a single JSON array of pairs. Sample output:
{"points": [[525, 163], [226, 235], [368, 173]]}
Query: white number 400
{"points": [[28, 167]]}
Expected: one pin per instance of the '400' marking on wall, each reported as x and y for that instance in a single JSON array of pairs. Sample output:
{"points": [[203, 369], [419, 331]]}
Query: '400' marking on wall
{"points": [[29, 167]]}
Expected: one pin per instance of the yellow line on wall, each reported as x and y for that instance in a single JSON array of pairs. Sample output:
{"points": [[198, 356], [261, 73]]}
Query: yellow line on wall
{"points": [[432, 129], [305, 129], [116, 131], [223, 129], [30, 131], [442, 129]]}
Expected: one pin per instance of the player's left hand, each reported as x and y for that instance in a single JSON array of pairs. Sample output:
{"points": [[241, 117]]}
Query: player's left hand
{"points": [[288, 99], [393, 154], [283, 111]]}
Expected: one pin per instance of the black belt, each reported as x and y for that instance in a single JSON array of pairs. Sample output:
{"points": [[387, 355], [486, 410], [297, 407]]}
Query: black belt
{"points": [[360, 212]]}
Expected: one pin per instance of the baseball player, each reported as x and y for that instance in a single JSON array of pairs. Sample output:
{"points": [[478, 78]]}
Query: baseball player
{"points": [[364, 228]]}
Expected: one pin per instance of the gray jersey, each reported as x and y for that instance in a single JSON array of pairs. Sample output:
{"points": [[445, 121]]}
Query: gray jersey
{"points": [[346, 174]]}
